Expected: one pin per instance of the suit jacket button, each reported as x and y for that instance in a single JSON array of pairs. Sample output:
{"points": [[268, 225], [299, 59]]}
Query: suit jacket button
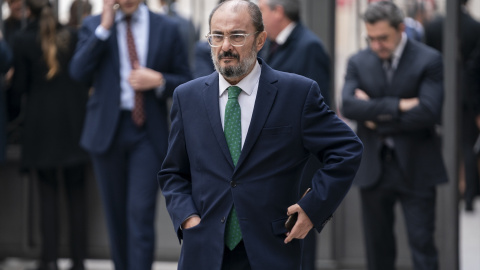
{"points": [[233, 184], [223, 220]]}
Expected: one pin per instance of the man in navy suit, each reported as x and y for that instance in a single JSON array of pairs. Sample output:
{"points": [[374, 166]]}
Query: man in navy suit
{"points": [[209, 186], [134, 59], [394, 90]]}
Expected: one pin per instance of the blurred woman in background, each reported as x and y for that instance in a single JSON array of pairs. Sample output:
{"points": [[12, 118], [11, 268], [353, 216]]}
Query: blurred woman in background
{"points": [[78, 11], [55, 108]]}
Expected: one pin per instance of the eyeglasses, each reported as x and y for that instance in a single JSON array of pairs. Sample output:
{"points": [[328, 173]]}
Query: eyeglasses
{"points": [[237, 40]]}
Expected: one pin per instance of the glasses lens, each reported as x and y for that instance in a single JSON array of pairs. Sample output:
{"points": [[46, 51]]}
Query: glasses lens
{"points": [[237, 39], [217, 39]]}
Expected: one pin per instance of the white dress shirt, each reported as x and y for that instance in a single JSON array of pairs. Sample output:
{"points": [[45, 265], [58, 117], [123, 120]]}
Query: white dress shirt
{"points": [[285, 33], [246, 99], [397, 54]]}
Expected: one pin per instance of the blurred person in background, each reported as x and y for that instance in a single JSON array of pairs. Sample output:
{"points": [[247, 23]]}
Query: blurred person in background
{"points": [[292, 47], [5, 64], [469, 34], [55, 109], [12, 24], [78, 11], [185, 26], [134, 59], [394, 90], [472, 81], [203, 64], [413, 23]]}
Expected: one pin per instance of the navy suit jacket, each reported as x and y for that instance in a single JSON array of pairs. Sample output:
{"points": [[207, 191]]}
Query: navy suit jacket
{"points": [[419, 74], [289, 122], [303, 53], [97, 61]]}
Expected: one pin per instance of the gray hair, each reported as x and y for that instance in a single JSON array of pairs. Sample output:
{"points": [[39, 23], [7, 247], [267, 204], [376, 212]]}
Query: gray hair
{"points": [[252, 8], [384, 11], [291, 8]]}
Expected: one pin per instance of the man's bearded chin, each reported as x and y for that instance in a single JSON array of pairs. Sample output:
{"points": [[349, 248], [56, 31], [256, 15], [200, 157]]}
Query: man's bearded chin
{"points": [[234, 71]]}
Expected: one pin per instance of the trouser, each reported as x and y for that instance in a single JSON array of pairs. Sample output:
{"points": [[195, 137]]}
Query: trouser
{"points": [[127, 177], [418, 205], [74, 181]]}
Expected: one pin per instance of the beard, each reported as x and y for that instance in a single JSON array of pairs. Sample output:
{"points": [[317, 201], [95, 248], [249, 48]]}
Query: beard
{"points": [[238, 70]]}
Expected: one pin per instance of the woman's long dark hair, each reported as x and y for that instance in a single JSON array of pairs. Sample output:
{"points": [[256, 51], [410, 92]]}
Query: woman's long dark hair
{"points": [[51, 38]]}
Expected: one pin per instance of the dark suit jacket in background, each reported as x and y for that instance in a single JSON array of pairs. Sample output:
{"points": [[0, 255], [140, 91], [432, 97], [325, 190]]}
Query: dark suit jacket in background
{"points": [[419, 74], [11, 26], [5, 64], [55, 108], [303, 53], [97, 61], [289, 122], [203, 60], [469, 34]]}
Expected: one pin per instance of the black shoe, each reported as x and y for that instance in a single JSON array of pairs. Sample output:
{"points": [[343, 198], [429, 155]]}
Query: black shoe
{"points": [[48, 266]]}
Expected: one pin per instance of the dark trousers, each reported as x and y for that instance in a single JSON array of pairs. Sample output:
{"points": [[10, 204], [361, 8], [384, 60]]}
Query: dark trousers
{"points": [[74, 181], [418, 207], [127, 177], [236, 259]]}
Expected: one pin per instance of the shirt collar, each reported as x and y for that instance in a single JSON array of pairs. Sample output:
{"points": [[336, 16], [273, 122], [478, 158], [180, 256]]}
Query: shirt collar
{"points": [[399, 50], [285, 33], [137, 15], [247, 84]]}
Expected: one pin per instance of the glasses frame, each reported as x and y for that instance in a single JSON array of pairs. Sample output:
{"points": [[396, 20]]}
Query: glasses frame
{"points": [[209, 36]]}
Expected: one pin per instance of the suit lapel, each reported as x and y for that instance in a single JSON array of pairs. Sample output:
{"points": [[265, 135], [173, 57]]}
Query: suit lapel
{"points": [[265, 98], [210, 96], [114, 45]]}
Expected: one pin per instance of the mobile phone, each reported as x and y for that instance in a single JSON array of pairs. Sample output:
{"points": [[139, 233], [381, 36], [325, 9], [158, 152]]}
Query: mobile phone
{"points": [[292, 219]]}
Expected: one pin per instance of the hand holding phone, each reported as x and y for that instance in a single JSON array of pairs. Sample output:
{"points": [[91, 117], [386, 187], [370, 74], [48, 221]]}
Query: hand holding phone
{"points": [[292, 219]]}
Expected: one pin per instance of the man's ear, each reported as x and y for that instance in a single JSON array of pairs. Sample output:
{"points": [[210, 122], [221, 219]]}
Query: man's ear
{"points": [[260, 41], [401, 27]]}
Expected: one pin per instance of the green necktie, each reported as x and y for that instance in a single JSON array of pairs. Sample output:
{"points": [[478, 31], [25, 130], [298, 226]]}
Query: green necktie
{"points": [[233, 133]]}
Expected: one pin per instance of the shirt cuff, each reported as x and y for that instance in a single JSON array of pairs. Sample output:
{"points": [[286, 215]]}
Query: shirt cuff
{"points": [[102, 33], [160, 89], [194, 215]]}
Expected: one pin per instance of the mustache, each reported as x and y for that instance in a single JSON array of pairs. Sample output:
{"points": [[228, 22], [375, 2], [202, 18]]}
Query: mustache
{"points": [[228, 54]]}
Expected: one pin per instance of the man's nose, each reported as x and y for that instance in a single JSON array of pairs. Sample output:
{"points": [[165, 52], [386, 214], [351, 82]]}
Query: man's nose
{"points": [[375, 45], [226, 46]]}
